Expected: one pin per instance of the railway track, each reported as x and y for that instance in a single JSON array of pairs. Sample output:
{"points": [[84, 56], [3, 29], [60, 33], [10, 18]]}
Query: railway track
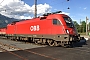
{"points": [[23, 41], [8, 48], [85, 49], [81, 49]]}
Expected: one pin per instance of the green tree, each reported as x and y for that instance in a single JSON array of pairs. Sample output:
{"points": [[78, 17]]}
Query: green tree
{"points": [[83, 26], [76, 25]]}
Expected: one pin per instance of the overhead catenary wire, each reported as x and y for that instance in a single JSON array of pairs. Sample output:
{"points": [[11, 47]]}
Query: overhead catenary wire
{"points": [[1, 2]]}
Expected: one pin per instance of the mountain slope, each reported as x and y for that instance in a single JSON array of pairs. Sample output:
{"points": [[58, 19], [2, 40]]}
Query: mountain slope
{"points": [[5, 20]]}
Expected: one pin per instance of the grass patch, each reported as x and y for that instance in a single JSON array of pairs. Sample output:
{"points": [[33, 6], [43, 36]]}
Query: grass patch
{"points": [[82, 33]]}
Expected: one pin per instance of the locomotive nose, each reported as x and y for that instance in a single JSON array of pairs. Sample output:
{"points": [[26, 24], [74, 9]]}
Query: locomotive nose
{"points": [[71, 31]]}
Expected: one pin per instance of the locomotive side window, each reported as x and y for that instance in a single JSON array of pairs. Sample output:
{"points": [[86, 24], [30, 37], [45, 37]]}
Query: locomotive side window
{"points": [[56, 22]]}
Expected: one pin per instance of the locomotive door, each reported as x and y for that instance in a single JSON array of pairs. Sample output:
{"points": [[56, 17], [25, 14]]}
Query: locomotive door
{"points": [[57, 26], [15, 29]]}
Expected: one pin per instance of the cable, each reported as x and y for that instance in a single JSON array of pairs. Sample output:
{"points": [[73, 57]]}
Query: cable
{"points": [[1, 2]]}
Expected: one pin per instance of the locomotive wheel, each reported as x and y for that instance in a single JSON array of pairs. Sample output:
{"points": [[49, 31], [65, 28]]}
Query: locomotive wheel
{"points": [[51, 43], [43, 41], [36, 42], [56, 43]]}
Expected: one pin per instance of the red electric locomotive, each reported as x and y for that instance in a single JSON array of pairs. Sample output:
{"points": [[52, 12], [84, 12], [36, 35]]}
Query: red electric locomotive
{"points": [[52, 28], [2, 31]]}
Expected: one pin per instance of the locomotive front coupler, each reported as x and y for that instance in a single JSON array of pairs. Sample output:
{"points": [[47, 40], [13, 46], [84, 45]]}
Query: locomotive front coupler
{"points": [[75, 38]]}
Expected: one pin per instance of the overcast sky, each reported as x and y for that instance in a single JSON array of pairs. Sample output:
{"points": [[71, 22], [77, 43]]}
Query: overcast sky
{"points": [[24, 9]]}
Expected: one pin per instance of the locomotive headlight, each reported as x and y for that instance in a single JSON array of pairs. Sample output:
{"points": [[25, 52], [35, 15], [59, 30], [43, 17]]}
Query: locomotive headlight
{"points": [[67, 31]]}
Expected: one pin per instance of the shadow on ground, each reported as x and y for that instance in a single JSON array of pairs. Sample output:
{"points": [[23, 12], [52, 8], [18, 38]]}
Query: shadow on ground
{"points": [[80, 44]]}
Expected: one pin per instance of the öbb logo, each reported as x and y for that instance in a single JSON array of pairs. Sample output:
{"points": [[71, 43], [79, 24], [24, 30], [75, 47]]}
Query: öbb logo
{"points": [[35, 28]]}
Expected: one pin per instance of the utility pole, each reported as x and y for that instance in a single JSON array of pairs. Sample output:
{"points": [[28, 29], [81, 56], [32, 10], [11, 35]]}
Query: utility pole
{"points": [[86, 26], [80, 25], [35, 12]]}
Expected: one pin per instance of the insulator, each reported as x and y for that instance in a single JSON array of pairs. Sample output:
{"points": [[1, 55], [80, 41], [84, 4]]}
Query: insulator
{"points": [[68, 8], [67, 0]]}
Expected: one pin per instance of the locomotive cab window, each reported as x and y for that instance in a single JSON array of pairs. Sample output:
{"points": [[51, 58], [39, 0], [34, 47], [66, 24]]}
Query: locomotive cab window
{"points": [[69, 21], [56, 22]]}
